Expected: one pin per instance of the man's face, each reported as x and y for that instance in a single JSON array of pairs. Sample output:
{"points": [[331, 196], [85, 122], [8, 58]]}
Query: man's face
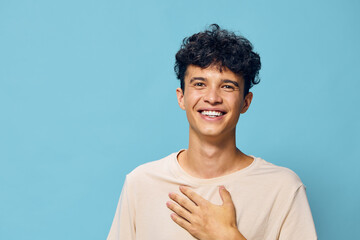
{"points": [[213, 100]]}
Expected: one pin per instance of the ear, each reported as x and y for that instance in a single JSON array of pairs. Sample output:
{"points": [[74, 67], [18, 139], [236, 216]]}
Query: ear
{"points": [[180, 98], [247, 102]]}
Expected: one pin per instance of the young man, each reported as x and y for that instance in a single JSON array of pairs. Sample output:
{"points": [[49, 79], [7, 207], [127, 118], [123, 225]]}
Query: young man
{"points": [[212, 190]]}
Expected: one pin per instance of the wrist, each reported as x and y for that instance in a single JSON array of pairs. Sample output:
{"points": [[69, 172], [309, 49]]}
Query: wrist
{"points": [[236, 235]]}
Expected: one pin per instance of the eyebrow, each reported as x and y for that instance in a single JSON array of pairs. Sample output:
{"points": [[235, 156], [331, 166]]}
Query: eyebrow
{"points": [[230, 81], [197, 78]]}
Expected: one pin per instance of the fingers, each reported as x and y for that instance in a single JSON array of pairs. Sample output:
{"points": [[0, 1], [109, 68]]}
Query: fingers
{"points": [[179, 210], [180, 221], [193, 196], [183, 202], [225, 196]]}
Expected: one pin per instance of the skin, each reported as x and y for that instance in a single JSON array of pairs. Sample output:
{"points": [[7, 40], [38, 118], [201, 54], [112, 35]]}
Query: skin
{"points": [[212, 150], [202, 219]]}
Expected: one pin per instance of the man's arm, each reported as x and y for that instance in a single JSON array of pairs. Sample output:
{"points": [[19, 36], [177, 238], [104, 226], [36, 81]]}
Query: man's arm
{"points": [[202, 219], [298, 223], [123, 226]]}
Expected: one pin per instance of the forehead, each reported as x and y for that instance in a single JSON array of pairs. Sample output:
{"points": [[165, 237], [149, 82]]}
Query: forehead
{"points": [[213, 72]]}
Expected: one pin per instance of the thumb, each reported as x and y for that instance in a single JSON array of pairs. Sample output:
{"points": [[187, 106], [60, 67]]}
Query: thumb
{"points": [[225, 196]]}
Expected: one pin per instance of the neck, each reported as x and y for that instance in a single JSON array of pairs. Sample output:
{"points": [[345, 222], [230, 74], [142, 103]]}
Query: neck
{"points": [[210, 157]]}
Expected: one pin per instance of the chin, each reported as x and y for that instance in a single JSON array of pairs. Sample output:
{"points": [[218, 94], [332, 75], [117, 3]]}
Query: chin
{"points": [[211, 132]]}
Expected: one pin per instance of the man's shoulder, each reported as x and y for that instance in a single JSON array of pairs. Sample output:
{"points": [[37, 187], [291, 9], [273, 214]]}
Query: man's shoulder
{"points": [[277, 174], [155, 167]]}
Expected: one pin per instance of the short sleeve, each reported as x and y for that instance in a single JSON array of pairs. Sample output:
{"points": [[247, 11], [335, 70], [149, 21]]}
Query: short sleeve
{"points": [[123, 226], [298, 223]]}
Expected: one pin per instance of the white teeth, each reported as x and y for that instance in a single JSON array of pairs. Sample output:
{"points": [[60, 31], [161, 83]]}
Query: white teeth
{"points": [[212, 113]]}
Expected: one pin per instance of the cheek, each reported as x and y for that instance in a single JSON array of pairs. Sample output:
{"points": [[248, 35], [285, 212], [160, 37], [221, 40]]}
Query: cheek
{"points": [[235, 102], [191, 99]]}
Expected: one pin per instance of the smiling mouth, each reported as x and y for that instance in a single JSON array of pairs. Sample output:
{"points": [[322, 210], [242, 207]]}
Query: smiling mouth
{"points": [[212, 114]]}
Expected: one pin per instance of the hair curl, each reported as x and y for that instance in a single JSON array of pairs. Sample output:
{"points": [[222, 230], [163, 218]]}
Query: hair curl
{"points": [[220, 47]]}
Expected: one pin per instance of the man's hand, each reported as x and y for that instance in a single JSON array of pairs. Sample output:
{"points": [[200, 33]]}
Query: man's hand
{"points": [[202, 219]]}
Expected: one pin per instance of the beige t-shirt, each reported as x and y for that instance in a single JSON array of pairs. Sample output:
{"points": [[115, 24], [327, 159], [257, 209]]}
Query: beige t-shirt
{"points": [[270, 202]]}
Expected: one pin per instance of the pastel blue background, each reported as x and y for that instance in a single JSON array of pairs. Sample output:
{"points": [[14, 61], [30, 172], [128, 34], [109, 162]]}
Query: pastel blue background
{"points": [[87, 93]]}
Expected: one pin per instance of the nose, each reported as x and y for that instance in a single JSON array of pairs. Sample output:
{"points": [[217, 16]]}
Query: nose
{"points": [[212, 96]]}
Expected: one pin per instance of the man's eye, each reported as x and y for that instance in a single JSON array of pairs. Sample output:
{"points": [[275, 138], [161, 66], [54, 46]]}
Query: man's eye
{"points": [[199, 84], [228, 87]]}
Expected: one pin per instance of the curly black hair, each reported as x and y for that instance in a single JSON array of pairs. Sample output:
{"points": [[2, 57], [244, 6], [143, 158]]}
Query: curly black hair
{"points": [[219, 47]]}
